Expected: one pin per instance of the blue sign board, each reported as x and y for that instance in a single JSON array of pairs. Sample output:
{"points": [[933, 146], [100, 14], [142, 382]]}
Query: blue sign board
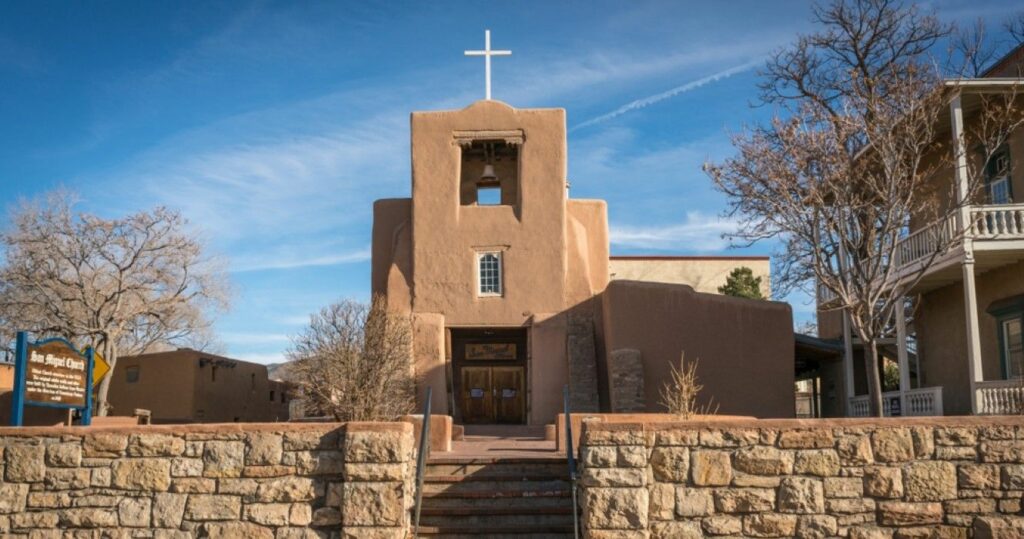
{"points": [[51, 373]]}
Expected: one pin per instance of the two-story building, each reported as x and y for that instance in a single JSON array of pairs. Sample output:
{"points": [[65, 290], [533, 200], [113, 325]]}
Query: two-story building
{"points": [[960, 348]]}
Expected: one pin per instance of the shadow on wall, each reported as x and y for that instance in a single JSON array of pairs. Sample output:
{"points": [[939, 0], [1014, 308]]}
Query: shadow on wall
{"points": [[745, 347]]}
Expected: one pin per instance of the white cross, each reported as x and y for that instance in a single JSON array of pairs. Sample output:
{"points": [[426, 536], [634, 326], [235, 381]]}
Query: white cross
{"points": [[487, 53]]}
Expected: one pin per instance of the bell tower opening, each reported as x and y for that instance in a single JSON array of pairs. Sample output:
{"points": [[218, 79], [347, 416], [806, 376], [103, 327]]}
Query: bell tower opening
{"points": [[489, 173]]}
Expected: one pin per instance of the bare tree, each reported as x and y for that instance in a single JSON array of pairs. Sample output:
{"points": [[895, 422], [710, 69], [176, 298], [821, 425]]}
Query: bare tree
{"points": [[118, 284], [975, 50], [679, 393], [1015, 27], [848, 163], [354, 362]]}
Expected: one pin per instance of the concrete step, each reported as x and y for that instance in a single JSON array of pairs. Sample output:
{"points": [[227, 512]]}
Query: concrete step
{"points": [[476, 467], [502, 477], [490, 522], [534, 532], [459, 501], [507, 487]]}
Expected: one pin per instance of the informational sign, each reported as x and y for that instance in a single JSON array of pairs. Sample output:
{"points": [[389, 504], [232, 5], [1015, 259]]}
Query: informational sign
{"points": [[56, 374], [51, 373], [491, 351], [895, 408]]}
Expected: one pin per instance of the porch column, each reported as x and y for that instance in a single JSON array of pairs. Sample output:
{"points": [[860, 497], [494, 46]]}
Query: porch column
{"points": [[901, 353], [956, 117], [973, 333], [847, 363]]}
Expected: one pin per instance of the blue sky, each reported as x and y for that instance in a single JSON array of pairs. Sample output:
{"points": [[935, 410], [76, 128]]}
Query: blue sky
{"points": [[273, 126]]}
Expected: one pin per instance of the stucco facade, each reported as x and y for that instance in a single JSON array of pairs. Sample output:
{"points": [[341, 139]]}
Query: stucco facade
{"points": [[703, 273], [502, 274], [188, 386]]}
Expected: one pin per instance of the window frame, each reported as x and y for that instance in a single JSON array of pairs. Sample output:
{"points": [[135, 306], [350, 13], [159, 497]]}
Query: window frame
{"points": [[992, 175], [128, 371], [480, 255], [1004, 361]]}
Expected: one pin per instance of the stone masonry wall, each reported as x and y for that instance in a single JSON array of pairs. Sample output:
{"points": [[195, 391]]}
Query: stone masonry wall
{"points": [[256, 481], [909, 478]]}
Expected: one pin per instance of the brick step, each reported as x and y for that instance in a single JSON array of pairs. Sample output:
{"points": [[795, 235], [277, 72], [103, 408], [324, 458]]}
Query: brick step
{"points": [[497, 532], [497, 486], [492, 477], [489, 522], [502, 468], [499, 494], [503, 510], [457, 502]]}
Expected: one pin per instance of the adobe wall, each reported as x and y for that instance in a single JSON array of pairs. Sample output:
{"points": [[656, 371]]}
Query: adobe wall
{"points": [[745, 347], [703, 273], [898, 478], [258, 481], [942, 338]]}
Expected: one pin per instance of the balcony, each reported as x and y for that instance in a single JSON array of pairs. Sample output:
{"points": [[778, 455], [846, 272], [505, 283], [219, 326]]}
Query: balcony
{"points": [[924, 401], [1000, 397]]}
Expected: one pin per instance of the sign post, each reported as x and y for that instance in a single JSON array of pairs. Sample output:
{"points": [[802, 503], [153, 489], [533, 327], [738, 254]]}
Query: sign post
{"points": [[51, 373]]}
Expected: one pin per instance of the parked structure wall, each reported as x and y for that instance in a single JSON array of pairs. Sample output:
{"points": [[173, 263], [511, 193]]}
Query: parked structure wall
{"points": [[940, 477], [255, 481]]}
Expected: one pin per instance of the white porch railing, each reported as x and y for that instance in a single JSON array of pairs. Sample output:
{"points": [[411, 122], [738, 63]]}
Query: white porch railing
{"points": [[925, 242], [1000, 397], [924, 401], [998, 221]]}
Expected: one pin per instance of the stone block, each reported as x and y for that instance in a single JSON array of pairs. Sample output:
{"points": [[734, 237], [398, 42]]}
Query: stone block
{"points": [[924, 442], [849, 506], [971, 506], [100, 477], [892, 445], [104, 445], [763, 460], [806, 439], [1002, 451], [223, 459], [855, 450], [816, 526], [67, 478], [801, 495], [24, 463], [909, 514], [998, 527], [268, 514], [956, 436], [929, 481], [769, 525], [870, 532], [632, 456], [613, 477], [883, 482], [744, 500], [13, 497], [820, 462], [186, 467], [87, 517], [956, 453], [844, 487], [710, 468], [616, 508], [168, 509], [152, 475], [193, 485], [723, 437], [663, 501], [65, 455], [374, 472], [35, 519], [213, 507], [670, 464], [740, 479], [693, 502], [381, 504], [134, 512], [722, 525], [1013, 477], [234, 530], [286, 489], [326, 516], [301, 514], [599, 456], [671, 530], [263, 449], [377, 447], [155, 445]]}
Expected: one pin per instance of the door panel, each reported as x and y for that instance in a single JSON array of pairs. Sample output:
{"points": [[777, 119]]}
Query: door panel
{"points": [[508, 394], [476, 389]]}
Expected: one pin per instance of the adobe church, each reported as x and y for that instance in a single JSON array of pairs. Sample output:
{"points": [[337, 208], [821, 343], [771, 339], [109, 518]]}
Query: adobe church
{"points": [[507, 282]]}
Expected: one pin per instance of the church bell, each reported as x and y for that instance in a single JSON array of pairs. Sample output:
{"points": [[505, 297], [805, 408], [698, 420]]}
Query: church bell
{"points": [[488, 176]]}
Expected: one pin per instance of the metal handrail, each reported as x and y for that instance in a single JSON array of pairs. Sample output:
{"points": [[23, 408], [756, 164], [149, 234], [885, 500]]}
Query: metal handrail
{"points": [[571, 460], [421, 461]]}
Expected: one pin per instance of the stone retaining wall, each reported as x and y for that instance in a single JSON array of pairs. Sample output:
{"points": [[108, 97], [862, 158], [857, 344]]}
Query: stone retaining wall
{"points": [[936, 477], [257, 481]]}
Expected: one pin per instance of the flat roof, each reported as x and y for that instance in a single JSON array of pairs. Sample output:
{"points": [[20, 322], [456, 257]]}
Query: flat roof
{"points": [[675, 257]]}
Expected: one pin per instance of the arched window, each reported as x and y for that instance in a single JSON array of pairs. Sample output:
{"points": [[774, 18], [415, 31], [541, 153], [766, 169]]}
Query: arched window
{"points": [[489, 273]]}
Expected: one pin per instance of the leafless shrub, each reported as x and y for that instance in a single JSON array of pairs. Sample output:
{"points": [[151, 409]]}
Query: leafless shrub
{"points": [[679, 394], [353, 362]]}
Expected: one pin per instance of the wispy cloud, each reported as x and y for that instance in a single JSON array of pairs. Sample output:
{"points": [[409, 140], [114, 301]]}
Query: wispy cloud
{"points": [[247, 338], [275, 263], [699, 232], [650, 100]]}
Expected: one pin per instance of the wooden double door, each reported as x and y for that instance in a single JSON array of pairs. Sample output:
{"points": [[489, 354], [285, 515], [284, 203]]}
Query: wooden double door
{"points": [[493, 394]]}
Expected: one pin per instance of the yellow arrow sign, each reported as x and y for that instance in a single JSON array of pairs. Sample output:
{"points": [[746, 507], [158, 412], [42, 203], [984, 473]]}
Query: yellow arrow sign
{"points": [[100, 368]]}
